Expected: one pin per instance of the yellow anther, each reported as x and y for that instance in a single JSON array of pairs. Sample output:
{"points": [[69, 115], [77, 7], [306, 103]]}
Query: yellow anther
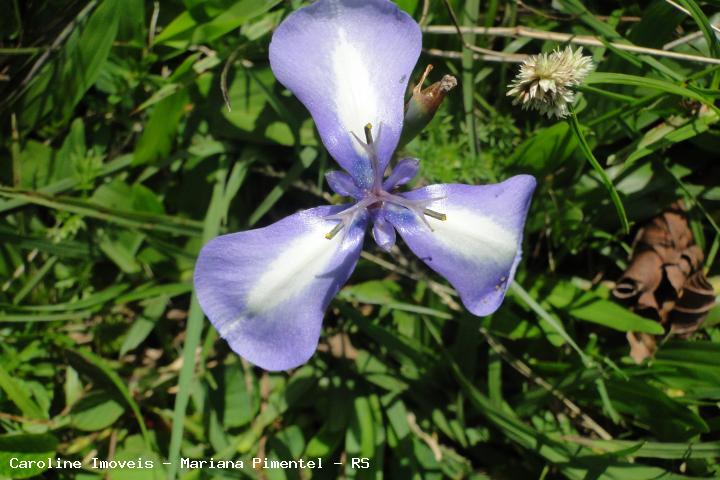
{"points": [[334, 231], [368, 134]]}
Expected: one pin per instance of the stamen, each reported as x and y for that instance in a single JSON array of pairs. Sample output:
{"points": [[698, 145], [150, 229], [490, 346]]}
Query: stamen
{"points": [[336, 229], [368, 134], [435, 215], [348, 216]]}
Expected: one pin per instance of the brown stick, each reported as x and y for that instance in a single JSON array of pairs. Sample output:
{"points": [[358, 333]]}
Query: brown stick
{"points": [[506, 58], [522, 368], [585, 40], [684, 10], [468, 45]]}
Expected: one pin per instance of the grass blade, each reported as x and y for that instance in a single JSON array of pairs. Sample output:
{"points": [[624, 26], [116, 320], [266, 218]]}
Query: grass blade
{"points": [[614, 196], [219, 203]]}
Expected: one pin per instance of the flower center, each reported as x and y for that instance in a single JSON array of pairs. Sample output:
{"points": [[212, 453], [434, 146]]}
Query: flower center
{"points": [[376, 197]]}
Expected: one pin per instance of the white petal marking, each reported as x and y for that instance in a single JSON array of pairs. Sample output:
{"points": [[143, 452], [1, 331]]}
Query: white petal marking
{"points": [[296, 267], [474, 236], [356, 102]]}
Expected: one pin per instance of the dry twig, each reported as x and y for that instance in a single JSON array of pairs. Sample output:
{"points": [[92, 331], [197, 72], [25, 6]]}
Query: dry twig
{"points": [[505, 58], [523, 369], [684, 10], [474, 48], [585, 40]]}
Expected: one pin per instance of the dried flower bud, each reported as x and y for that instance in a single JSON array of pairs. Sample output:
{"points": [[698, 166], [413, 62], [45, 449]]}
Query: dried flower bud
{"points": [[545, 81], [423, 104]]}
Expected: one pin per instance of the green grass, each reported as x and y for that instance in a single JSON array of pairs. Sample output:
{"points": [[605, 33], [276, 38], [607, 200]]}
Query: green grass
{"points": [[119, 158]]}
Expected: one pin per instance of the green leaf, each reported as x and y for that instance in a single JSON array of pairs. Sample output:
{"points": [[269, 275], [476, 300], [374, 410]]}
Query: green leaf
{"points": [[95, 411], [144, 324], [664, 136], [232, 18], [61, 84], [605, 312], [704, 24], [693, 359], [609, 78], [66, 184], [328, 438], [587, 306], [134, 449], [671, 451], [382, 293], [127, 218], [160, 132], [226, 185], [306, 158], [257, 112], [109, 375], [655, 411], [185, 29], [363, 431], [517, 290], [240, 405], [26, 448], [587, 151], [19, 396], [577, 8], [546, 150]]}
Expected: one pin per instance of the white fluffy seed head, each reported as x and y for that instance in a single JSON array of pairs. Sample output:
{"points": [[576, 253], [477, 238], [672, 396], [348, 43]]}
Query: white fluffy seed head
{"points": [[545, 81]]}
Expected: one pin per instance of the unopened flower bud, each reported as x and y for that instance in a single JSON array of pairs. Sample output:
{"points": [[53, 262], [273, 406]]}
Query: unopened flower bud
{"points": [[423, 104]]}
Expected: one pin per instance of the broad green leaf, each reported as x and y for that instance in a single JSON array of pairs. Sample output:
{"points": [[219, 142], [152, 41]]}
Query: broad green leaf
{"points": [[26, 448], [20, 396], [134, 449], [185, 29], [107, 373], [589, 307], [144, 324], [160, 131], [240, 404], [231, 19], [95, 411], [546, 150]]}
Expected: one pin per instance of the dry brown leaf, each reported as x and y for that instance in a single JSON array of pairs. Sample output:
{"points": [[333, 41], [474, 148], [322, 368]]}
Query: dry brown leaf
{"points": [[665, 280], [642, 346], [696, 300]]}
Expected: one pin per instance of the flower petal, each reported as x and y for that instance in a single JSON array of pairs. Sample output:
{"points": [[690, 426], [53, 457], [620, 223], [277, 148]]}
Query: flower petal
{"points": [[404, 171], [383, 231], [349, 62], [266, 290], [478, 246], [342, 184]]}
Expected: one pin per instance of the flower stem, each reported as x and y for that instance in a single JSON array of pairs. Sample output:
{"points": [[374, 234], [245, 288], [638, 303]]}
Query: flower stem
{"points": [[575, 126]]}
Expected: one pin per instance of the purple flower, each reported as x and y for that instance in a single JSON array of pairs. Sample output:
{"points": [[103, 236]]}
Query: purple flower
{"points": [[266, 290]]}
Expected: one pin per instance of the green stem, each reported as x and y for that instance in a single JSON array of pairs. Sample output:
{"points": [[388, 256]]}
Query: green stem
{"points": [[216, 212], [470, 17], [518, 290], [575, 126]]}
